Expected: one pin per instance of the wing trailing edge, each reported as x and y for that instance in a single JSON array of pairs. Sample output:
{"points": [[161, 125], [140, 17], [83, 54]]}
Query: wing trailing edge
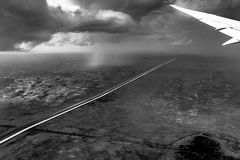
{"points": [[231, 41]]}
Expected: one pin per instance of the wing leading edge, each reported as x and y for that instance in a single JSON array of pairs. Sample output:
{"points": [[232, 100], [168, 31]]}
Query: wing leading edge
{"points": [[224, 25]]}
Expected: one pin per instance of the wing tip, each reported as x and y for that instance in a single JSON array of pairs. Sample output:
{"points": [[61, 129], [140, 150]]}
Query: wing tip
{"points": [[174, 6], [184, 10]]}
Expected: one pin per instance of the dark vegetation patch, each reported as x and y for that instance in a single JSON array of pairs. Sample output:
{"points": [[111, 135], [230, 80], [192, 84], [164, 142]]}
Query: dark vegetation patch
{"points": [[5, 82], [39, 151], [108, 98], [137, 152], [202, 148]]}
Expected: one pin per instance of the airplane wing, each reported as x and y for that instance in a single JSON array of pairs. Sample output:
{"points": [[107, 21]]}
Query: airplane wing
{"points": [[226, 26]]}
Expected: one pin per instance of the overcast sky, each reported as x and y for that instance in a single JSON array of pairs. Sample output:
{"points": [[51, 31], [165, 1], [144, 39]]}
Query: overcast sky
{"points": [[48, 26]]}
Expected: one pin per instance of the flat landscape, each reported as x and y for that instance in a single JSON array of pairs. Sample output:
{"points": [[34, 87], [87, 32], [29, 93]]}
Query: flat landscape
{"points": [[187, 110]]}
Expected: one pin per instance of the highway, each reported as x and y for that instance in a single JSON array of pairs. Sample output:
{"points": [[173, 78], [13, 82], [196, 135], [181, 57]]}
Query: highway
{"points": [[22, 129]]}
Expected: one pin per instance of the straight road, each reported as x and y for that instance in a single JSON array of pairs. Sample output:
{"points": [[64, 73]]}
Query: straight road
{"points": [[20, 130]]}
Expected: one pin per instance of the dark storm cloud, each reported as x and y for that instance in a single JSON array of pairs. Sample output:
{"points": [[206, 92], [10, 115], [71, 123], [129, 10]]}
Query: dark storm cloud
{"points": [[135, 8], [139, 8], [23, 20], [98, 26], [230, 9], [227, 8], [33, 20]]}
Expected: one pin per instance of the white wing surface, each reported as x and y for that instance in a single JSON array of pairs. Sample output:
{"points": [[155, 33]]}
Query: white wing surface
{"points": [[226, 26]]}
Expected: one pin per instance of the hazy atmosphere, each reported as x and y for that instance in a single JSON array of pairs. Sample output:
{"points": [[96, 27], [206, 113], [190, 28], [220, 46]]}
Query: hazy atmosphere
{"points": [[119, 80]]}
